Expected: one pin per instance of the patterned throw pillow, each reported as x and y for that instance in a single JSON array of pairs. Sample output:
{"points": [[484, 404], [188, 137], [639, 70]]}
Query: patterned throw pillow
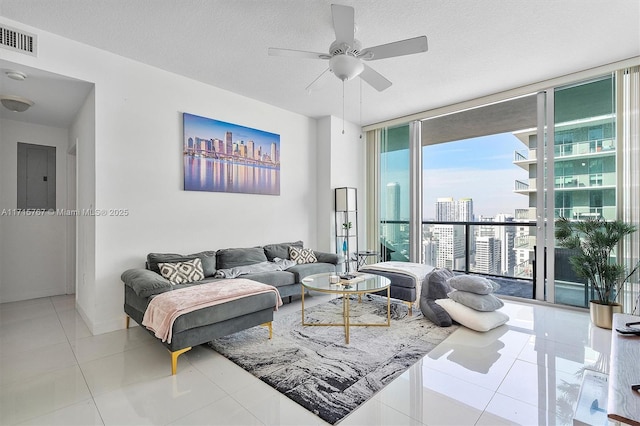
{"points": [[182, 272], [302, 255]]}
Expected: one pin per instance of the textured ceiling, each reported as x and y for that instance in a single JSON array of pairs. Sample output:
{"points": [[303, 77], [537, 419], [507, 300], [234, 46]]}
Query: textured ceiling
{"points": [[475, 47]]}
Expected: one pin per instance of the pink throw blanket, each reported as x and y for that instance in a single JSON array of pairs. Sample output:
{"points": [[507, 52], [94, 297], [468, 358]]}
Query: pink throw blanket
{"points": [[165, 308]]}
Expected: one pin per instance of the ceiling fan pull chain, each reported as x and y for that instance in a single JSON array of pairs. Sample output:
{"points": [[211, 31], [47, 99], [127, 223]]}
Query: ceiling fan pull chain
{"points": [[343, 107], [360, 108]]}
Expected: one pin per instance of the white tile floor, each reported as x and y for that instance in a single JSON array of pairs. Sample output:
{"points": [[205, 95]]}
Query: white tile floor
{"points": [[53, 371]]}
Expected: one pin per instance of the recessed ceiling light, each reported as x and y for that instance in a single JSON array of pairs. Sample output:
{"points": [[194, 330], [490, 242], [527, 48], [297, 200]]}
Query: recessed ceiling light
{"points": [[16, 75], [15, 103]]}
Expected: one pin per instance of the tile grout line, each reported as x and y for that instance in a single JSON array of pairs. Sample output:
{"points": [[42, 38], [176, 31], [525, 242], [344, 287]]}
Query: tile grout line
{"points": [[86, 383]]}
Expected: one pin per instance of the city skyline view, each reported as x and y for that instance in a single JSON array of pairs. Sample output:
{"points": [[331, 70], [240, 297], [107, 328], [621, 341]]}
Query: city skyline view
{"points": [[479, 168]]}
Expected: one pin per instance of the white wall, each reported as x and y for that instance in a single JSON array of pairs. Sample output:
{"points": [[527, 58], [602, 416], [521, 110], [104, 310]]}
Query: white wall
{"points": [[33, 251], [341, 159], [138, 166], [82, 138]]}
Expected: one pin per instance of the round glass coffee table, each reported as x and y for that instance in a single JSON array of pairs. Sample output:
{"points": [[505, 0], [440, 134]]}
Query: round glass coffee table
{"points": [[361, 284]]}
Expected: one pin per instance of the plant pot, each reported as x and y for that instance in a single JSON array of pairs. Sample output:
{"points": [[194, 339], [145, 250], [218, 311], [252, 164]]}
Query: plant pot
{"points": [[602, 315]]}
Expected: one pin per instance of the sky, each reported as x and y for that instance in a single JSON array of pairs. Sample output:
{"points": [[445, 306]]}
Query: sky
{"points": [[206, 128], [478, 168]]}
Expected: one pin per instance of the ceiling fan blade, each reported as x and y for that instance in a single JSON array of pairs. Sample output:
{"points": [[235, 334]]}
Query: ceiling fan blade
{"points": [[343, 23], [297, 53], [317, 83], [374, 78], [397, 48]]}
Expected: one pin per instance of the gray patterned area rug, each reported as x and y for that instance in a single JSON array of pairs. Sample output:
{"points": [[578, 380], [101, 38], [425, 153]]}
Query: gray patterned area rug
{"points": [[314, 367]]}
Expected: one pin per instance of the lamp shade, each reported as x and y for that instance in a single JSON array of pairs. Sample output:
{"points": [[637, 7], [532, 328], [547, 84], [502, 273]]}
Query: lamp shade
{"points": [[346, 199]]}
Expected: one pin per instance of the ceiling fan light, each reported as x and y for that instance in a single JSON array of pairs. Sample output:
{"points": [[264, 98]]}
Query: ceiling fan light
{"points": [[15, 103], [346, 67]]}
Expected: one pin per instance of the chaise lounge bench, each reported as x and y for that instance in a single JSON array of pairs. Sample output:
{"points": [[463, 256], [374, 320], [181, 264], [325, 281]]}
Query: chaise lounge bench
{"points": [[406, 278]]}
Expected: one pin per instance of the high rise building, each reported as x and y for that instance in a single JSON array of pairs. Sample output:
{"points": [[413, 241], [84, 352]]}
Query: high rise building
{"points": [[487, 256], [506, 235], [445, 210], [584, 162], [251, 150], [392, 211], [228, 138], [464, 210], [274, 153], [450, 241]]}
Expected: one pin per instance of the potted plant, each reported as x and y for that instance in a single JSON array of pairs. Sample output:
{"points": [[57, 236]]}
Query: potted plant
{"points": [[347, 226], [592, 241]]}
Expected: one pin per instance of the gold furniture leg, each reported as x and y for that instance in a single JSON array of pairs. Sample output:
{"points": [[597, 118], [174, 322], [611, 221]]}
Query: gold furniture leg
{"points": [[174, 359], [270, 327], [410, 305], [345, 301], [126, 322], [302, 305], [389, 306]]}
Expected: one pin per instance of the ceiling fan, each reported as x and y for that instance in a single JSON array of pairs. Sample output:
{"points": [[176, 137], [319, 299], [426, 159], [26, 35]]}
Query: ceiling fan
{"points": [[346, 56]]}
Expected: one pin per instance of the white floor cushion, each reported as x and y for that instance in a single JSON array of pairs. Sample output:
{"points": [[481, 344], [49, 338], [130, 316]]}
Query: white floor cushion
{"points": [[470, 318]]}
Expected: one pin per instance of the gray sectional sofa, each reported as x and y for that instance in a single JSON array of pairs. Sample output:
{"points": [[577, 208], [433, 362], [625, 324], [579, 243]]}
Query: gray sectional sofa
{"points": [[204, 325]]}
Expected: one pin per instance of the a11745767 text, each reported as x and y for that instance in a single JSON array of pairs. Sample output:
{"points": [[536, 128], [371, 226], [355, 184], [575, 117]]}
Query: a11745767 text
{"points": [[65, 212]]}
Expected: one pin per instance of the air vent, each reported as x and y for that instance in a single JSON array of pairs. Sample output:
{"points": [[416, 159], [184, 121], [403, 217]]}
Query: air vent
{"points": [[18, 41]]}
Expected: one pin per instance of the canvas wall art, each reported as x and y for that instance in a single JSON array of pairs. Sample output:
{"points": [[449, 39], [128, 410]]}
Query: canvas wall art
{"points": [[226, 157]]}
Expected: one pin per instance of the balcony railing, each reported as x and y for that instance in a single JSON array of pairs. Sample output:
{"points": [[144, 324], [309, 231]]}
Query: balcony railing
{"points": [[485, 248], [578, 213], [519, 157], [584, 147]]}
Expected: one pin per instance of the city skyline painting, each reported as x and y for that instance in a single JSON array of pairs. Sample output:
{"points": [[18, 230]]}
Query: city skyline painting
{"points": [[226, 157]]}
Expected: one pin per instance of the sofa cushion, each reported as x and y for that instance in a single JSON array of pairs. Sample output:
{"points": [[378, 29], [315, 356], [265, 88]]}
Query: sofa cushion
{"points": [[182, 272], [274, 278], [208, 259], [144, 282], [479, 302], [233, 257], [473, 284], [475, 320], [302, 255], [280, 250]]}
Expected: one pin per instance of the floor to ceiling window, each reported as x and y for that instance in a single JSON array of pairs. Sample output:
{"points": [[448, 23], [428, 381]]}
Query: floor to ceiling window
{"points": [[476, 202], [584, 165], [575, 176], [394, 194]]}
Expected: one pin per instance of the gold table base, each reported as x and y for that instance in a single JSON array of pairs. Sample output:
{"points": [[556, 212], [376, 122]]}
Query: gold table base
{"points": [[346, 301]]}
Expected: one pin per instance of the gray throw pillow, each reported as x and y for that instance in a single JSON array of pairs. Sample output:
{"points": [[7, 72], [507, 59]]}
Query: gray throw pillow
{"points": [[208, 259], [280, 250], [435, 286], [479, 302], [473, 283], [435, 313]]}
